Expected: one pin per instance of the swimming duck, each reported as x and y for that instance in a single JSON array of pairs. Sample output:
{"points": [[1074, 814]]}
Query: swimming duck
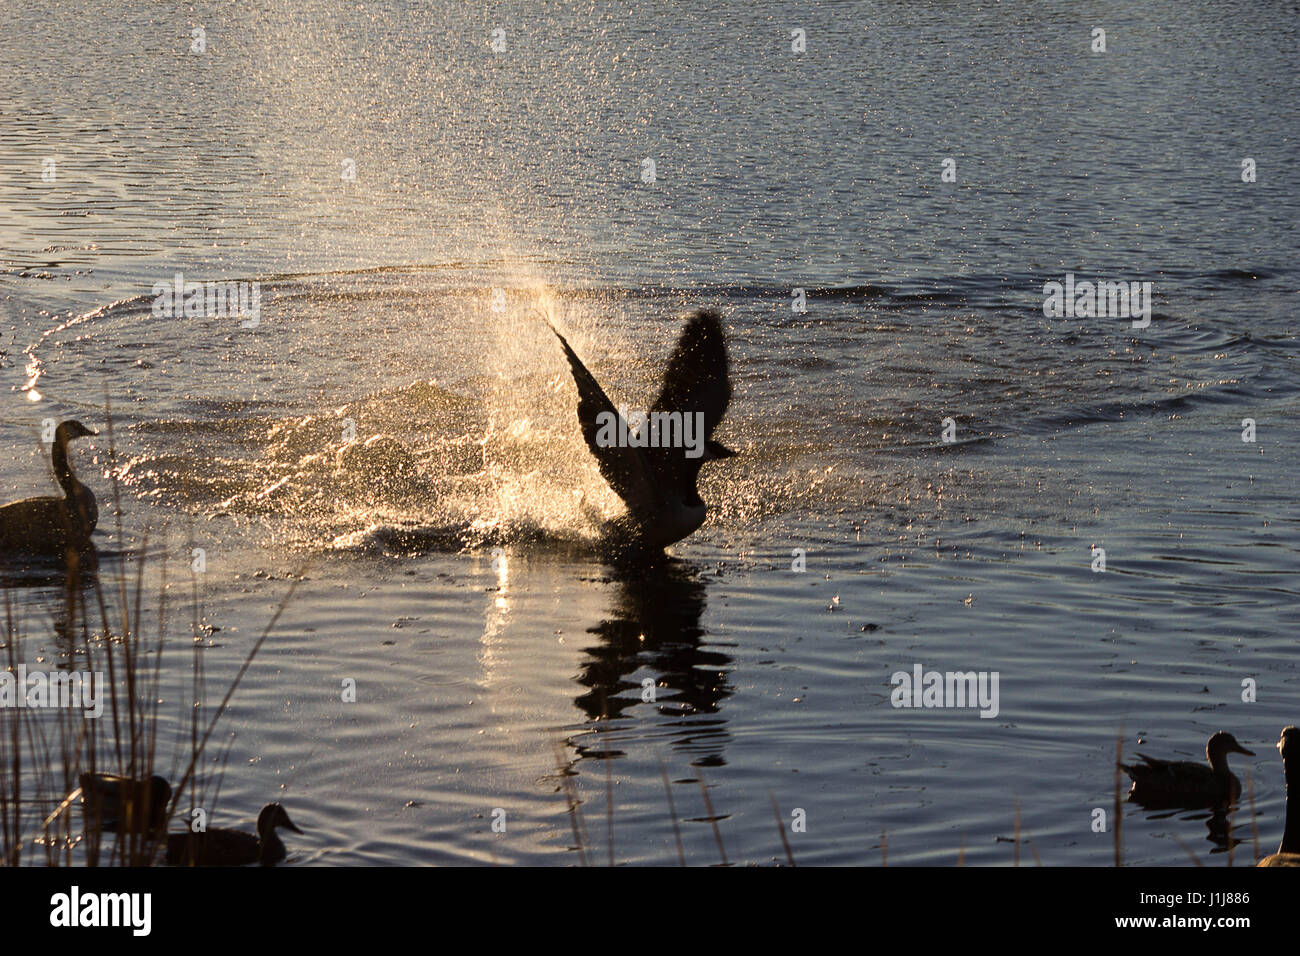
{"points": [[1288, 854], [114, 803], [50, 526], [1185, 783], [658, 484], [221, 847], [124, 803]]}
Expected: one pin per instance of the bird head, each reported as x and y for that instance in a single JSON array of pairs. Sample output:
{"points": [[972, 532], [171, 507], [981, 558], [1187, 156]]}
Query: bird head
{"points": [[273, 815], [1225, 743], [72, 429], [1289, 737], [160, 792]]}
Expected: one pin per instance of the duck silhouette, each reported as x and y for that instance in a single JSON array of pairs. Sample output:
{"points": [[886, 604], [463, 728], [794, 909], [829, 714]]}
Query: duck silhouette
{"points": [[51, 526], [1186, 783], [224, 847], [124, 804], [1288, 854], [656, 478], [117, 804]]}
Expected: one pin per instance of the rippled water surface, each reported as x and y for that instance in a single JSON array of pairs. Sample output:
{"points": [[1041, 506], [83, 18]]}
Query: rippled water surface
{"points": [[401, 421]]}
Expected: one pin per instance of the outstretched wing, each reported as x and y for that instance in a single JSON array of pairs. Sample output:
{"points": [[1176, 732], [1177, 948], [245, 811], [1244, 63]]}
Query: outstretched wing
{"points": [[697, 380], [625, 468]]}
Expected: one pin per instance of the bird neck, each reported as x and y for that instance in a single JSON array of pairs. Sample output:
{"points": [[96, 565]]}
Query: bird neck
{"points": [[1291, 835], [62, 468], [691, 493], [1219, 762], [270, 848]]}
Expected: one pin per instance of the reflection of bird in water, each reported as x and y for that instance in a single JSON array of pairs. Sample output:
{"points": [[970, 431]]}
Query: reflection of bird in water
{"points": [[1185, 783], [654, 631], [1288, 854], [49, 527], [222, 847], [658, 484]]}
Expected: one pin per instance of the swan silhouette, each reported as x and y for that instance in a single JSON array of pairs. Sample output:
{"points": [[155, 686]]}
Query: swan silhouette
{"points": [[1288, 854], [658, 484], [52, 526]]}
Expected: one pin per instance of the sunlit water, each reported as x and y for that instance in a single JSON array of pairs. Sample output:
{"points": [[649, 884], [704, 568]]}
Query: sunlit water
{"points": [[409, 434]]}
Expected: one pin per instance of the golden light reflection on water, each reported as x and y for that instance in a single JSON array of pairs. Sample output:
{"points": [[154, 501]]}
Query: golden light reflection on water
{"points": [[33, 370], [496, 621]]}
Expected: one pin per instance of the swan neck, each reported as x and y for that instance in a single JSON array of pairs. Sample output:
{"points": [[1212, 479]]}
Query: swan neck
{"points": [[1291, 835], [62, 468]]}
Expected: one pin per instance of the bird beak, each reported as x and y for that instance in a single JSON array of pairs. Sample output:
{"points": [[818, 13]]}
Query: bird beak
{"points": [[718, 450], [1239, 749]]}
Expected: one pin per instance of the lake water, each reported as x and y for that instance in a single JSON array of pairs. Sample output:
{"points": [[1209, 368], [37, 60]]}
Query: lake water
{"points": [[399, 419]]}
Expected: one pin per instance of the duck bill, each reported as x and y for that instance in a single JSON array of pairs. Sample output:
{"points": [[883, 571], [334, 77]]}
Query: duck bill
{"points": [[1239, 749]]}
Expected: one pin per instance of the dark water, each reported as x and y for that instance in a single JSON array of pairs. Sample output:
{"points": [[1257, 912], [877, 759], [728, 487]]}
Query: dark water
{"points": [[523, 171]]}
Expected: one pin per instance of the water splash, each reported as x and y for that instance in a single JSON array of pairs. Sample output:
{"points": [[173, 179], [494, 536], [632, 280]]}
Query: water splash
{"points": [[464, 434]]}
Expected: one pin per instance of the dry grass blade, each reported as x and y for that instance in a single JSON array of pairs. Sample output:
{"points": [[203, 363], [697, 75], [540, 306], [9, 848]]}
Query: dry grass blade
{"points": [[1118, 818], [609, 803], [780, 828], [713, 819], [672, 810], [1227, 834], [1187, 849], [1254, 820], [571, 798]]}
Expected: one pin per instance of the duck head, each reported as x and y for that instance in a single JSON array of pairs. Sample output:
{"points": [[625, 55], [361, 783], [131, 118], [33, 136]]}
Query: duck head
{"points": [[273, 815], [1222, 744], [160, 793]]}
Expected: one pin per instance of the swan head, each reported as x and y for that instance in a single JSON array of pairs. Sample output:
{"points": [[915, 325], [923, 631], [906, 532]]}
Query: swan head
{"points": [[1290, 737]]}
